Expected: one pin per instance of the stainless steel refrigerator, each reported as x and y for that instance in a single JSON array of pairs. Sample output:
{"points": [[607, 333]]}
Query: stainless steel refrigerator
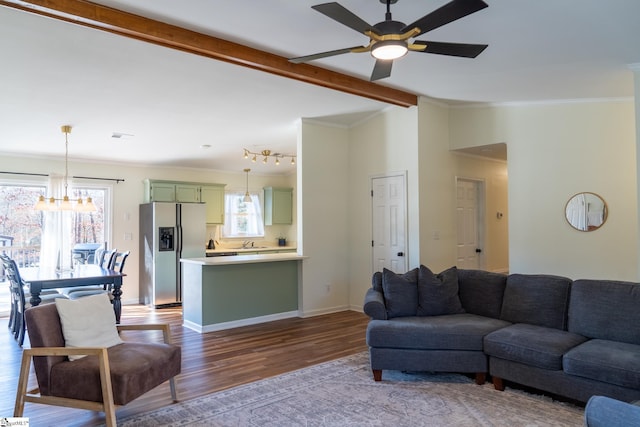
{"points": [[168, 232]]}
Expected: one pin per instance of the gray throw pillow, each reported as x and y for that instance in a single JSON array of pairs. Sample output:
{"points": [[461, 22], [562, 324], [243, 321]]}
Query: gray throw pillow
{"points": [[400, 293], [438, 294]]}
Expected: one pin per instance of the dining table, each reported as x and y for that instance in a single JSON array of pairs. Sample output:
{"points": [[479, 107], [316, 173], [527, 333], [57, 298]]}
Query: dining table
{"points": [[42, 278]]}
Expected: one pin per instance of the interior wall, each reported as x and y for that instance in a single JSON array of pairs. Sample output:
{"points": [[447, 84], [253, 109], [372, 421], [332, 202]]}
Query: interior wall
{"points": [[495, 217], [439, 168], [322, 206], [554, 152], [129, 194], [386, 142]]}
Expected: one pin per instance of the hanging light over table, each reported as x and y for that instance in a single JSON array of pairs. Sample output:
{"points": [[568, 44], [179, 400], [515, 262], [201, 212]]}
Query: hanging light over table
{"points": [[65, 204]]}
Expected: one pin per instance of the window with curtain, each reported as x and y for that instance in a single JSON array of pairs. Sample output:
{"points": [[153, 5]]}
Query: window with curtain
{"points": [[242, 219]]}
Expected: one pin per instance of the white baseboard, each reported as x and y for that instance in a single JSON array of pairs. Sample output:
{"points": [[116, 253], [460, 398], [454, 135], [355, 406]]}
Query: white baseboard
{"points": [[320, 312], [238, 323]]}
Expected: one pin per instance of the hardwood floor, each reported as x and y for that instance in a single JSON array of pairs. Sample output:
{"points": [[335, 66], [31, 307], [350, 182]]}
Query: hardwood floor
{"points": [[210, 362]]}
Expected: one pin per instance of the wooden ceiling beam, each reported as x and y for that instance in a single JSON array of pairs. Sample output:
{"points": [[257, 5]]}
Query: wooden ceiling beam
{"points": [[126, 24]]}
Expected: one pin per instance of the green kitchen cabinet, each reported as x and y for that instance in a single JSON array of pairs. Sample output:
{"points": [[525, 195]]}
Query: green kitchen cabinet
{"points": [[213, 196], [187, 193], [159, 191], [278, 205]]}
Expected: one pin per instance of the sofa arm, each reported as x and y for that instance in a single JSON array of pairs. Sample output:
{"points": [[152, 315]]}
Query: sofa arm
{"points": [[606, 412], [374, 305]]}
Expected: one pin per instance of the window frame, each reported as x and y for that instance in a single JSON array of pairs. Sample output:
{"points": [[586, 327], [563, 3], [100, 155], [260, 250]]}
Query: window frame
{"points": [[230, 216]]}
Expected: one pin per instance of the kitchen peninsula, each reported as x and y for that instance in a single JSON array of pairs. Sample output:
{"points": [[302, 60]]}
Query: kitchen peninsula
{"points": [[227, 292]]}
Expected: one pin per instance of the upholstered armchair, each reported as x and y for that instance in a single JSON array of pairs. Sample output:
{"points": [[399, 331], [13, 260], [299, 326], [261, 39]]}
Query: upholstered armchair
{"points": [[103, 379]]}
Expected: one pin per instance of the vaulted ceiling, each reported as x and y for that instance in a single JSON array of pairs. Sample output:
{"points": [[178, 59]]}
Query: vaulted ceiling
{"points": [[168, 102]]}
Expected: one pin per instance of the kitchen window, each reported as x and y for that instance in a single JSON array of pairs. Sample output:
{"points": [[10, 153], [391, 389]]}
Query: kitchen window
{"points": [[242, 219]]}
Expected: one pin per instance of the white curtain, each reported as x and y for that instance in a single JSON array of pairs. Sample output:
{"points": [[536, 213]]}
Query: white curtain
{"points": [[56, 234], [242, 219]]}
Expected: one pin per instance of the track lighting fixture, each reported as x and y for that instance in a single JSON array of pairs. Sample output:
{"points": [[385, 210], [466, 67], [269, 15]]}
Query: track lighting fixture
{"points": [[266, 154]]}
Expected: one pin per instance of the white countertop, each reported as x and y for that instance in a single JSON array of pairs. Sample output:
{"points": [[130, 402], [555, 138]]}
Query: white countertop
{"points": [[219, 249], [244, 259]]}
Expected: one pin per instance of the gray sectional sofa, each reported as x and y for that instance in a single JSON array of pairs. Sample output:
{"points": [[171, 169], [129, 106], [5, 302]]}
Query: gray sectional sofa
{"points": [[571, 338]]}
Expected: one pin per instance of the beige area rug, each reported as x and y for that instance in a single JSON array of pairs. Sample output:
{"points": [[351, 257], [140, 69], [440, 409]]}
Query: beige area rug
{"points": [[342, 393]]}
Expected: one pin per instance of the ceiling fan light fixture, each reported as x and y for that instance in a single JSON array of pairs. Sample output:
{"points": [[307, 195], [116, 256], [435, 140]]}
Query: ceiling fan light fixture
{"points": [[389, 49]]}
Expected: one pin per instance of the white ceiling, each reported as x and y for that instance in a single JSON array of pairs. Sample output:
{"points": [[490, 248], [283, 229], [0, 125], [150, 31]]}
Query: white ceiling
{"points": [[56, 73]]}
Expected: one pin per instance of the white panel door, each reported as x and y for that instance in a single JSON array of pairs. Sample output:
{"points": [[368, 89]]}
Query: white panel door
{"points": [[467, 220], [389, 221]]}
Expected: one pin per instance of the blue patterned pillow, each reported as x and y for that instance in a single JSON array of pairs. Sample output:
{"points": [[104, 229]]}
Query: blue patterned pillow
{"points": [[400, 293]]}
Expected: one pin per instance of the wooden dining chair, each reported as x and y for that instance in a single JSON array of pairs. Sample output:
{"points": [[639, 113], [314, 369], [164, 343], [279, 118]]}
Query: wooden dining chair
{"points": [[19, 299], [118, 260], [106, 376], [104, 259]]}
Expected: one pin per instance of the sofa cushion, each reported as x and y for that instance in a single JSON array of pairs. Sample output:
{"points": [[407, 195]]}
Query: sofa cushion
{"points": [[481, 292], [135, 368], [438, 294], [605, 309], [449, 332], [536, 299], [400, 293], [608, 361], [531, 345]]}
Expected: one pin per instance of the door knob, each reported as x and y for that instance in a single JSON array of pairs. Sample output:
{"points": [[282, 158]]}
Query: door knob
{"points": [[400, 253]]}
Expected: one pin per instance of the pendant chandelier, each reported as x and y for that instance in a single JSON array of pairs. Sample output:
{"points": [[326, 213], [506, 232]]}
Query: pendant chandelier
{"points": [[64, 204], [266, 154], [247, 196]]}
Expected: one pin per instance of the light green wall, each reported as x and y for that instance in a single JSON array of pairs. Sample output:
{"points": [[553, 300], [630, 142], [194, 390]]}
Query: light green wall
{"points": [[555, 151]]}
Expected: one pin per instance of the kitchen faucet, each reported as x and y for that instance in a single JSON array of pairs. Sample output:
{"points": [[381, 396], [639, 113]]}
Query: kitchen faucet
{"points": [[245, 244]]}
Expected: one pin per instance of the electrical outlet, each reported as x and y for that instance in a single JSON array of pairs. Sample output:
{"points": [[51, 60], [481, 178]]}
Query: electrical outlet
{"points": [[128, 236]]}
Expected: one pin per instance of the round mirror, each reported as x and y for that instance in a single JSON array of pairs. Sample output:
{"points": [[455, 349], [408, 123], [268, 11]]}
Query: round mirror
{"points": [[586, 211]]}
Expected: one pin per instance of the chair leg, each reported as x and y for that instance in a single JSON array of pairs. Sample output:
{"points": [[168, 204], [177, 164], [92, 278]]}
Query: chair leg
{"points": [[107, 390], [172, 386], [23, 380]]}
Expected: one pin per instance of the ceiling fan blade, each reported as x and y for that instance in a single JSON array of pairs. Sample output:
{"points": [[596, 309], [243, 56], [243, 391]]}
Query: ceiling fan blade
{"points": [[450, 12], [308, 58], [339, 13], [452, 49], [382, 69]]}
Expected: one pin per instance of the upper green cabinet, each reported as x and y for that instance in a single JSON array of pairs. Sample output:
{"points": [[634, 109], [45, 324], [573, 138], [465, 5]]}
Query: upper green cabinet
{"points": [[213, 196], [159, 192], [188, 192], [278, 205]]}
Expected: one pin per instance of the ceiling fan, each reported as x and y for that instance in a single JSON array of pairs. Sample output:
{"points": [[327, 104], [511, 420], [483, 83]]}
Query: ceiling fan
{"points": [[389, 39]]}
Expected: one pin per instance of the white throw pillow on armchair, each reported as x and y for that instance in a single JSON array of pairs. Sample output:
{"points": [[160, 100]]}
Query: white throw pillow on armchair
{"points": [[88, 322]]}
